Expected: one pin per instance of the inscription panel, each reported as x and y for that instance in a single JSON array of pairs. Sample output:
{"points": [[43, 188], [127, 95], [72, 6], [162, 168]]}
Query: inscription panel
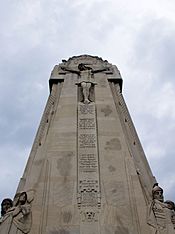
{"points": [[86, 109], [88, 172], [87, 123], [87, 140], [87, 163], [89, 195]]}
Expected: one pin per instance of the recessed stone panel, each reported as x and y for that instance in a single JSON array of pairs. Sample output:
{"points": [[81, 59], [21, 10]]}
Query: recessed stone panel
{"points": [[63, 190]]}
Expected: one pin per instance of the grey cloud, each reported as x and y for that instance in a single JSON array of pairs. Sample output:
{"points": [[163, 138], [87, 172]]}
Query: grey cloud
{"points": [[151, 70], [155, 48], [12, 166]]}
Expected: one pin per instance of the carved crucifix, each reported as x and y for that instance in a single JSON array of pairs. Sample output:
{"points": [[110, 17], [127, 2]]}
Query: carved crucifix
{"points": [[86, 78]]}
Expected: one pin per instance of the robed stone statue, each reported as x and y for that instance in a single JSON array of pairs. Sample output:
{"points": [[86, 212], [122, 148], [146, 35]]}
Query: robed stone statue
{"points": [[17, 218]]}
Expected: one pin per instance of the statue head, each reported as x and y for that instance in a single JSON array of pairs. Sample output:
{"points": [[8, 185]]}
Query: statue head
{"points": [[157, 192], [5, 205], [170, 205], [83, 67], [15, 199], [22, 198]]}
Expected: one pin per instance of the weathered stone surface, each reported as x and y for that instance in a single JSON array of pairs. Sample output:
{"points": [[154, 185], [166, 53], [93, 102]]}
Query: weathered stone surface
{"points": [[87, 167]]}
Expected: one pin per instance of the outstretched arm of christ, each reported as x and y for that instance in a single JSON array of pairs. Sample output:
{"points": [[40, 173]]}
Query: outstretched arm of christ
{"points": [[100, 70], [70, 70]]}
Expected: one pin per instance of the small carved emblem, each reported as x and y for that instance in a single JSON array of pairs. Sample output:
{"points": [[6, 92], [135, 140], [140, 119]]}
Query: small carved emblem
{"points": [[89, 216]]}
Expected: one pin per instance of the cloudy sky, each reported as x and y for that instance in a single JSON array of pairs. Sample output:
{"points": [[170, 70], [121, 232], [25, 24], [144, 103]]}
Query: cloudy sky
{"points": [[137, 36]]}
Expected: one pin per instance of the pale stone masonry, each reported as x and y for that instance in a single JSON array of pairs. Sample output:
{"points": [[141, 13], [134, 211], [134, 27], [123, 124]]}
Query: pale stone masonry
{"points": [[87, 172]]}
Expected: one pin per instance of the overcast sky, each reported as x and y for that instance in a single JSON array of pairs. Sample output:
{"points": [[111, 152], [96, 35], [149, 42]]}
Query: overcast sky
{"points": [[137, 36]]}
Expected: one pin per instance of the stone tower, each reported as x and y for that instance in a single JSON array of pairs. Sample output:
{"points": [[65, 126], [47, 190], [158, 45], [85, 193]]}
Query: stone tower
{"points": [[87, 172]]}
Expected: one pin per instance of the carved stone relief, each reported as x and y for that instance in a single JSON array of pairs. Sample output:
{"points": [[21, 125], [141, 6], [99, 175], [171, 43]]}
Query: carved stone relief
{"points": [[89, 216], [159, 215], [171, 207], [6, 204], [86, 80], [87, 59], [18, 218]]}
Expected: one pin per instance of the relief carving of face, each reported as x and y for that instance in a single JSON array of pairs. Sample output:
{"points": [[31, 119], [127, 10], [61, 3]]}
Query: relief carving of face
{"points": [[158, 195], [5, 205], [22, 198]]}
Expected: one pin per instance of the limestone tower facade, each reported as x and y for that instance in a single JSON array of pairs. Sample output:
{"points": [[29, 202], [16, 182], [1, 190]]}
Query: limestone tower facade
{"points": [[87, 172]]}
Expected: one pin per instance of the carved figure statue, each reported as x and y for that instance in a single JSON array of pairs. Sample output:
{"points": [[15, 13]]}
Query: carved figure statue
{"points": [[18, 219], [171, 207], [158, 215], [6, 204], [86, 78]]}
